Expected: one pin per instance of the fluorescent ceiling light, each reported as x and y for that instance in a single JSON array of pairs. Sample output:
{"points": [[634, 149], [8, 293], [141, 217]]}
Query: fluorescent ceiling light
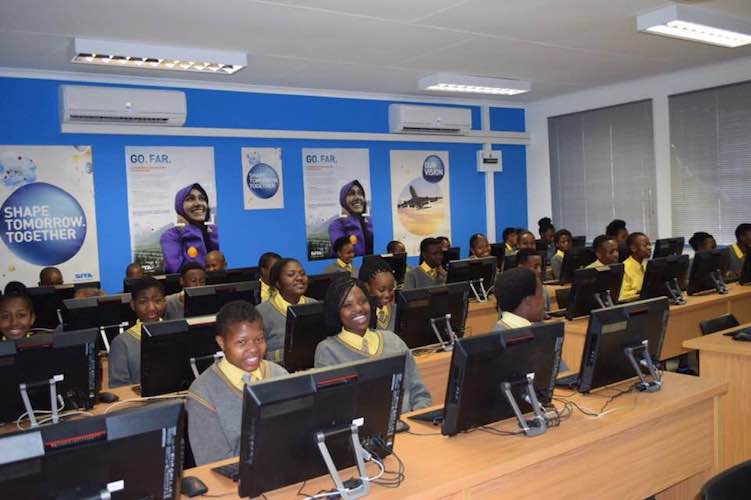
{"points": [[144, 56], [453, 82], [699, 25]]}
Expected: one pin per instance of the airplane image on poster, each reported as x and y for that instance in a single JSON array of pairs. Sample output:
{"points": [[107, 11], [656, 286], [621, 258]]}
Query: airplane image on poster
{"points": [[418, 202]]}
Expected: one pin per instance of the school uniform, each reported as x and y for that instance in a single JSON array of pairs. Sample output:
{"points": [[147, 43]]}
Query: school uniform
{"points": [[633, 278], [737, 258], [556, 262], [124, 360], [266, 291], [341, 267], [510, 321], [274, 315], [175, 306], [214, 406], [423, 276], [386, 317], [510, 250], [595, 265], [347, 347]]}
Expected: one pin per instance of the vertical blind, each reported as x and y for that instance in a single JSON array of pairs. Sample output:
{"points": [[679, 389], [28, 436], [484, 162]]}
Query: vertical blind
{"points": [[710, 136], [602, 167]]}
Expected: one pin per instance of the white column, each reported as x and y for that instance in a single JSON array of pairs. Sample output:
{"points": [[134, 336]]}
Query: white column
{"points": [[489, 181], [663, 201]]}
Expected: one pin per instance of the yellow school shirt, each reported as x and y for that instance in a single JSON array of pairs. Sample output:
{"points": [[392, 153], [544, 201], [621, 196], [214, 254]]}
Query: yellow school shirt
{"points": [[383, 315], [235, 375], [433, 273], [511, 320], [135, 330], [370, 342], [633, 278], [343, 265], [595, 264], [737, 251], [281, 305], [266, 291]]}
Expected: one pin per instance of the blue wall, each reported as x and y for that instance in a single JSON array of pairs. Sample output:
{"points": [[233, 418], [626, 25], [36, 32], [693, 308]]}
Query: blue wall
{"points": [[29, 115]]}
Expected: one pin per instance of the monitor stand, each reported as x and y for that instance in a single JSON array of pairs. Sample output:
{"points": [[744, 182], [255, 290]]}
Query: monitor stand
{"points": [[719, 283], [603, 299], [644, 384], [446, 346], [103, 332], [194, 367], [482, 294], [675, 294], [362, 486], [52, 384], [538, 425]]}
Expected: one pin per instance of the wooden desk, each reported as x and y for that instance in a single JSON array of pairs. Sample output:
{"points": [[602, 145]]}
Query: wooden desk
{"points": [[481, 317], [663, 443], [723, 359], [683, 323], [434, 369]]}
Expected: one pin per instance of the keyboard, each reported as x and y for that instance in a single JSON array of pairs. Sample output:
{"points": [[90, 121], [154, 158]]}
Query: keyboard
{"points": [[434, 417], [560, 313], [231, 471], [737, 331], [568, 382]]}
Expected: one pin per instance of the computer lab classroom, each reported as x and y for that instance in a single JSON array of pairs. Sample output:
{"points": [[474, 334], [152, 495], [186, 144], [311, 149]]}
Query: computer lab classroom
{"points": [[335, 249]]}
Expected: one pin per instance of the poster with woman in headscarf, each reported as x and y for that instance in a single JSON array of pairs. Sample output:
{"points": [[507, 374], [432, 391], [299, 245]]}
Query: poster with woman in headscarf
{"points": [[337, 200]]}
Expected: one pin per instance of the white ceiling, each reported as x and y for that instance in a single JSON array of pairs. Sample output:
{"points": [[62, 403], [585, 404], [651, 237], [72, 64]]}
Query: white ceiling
{"points": [[374, 46]]}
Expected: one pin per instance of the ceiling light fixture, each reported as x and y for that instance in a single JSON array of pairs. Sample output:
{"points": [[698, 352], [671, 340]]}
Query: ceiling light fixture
{"points": [[696, 24], [145, 56], [453, 82]]}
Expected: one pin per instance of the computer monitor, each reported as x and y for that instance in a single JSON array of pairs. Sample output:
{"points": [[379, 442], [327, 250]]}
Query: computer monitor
{"points": [[510, 262], [624, 341], [745, 277], [48, 301], [171, 283], [319, 283], [665, 277], [133, 453], [453, 253], [48, 367], [110, 314], [707, 272], [432, 315], [594, 288], [578, 242], [174, 353], [397, 261], [207, 300], [575, 258], [665, 247], [502, 375], [305, 328], [498, 250], [299, 427], [480, 273], [235, 275]]}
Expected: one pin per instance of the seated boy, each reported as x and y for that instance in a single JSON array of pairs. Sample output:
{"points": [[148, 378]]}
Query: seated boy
{"points": [[192, 274], [430, 272], [606, 250], [215, 261], [50, 276], [345, 253]]}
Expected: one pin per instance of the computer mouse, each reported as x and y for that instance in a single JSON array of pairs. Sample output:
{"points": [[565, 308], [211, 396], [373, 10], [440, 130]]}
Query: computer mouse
{"points": [[192, 486], [744, 336], [107, 397], [401, 426]]}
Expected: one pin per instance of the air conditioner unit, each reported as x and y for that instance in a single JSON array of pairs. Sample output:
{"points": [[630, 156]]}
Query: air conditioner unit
{"points": [[411, 119], [85, 104]]}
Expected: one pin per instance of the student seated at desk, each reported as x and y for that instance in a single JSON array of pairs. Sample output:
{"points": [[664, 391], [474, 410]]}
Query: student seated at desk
{"points": [[606, 250], [478, 246], [379, 278], [617, 230], [16, 315], [345, 253], [527, 240], [396, 246], [290, 283], [215, 261], [430, 272], [50, 276], [445, 242], [192, 274], [347, 312], [563, 240], [739, 249], [215, 398], [547, 232], [511, 239], [134, 270], [532, 260], [265, 262], [640, 249], [148, 302], [702, 242]]}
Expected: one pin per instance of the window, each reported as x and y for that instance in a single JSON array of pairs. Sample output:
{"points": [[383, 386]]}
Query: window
{"points": [[710, 136], [602, 167]]}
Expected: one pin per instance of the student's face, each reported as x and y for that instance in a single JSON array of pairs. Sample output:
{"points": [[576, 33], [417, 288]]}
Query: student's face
{"points": [[621, 236], [382, 287], [433, 255], [347, 253], [513, 239], [215, 261], [445, 245], [547, 236], [244, 344], [355, 312], [534, 305], [534, 263], [194, 277], [399, 248], [482, 247], [355, 200], [135, 272], [51, 278], [641, 248], [150, 305], [293, 282], [195, 206], [746, 239], [266, 270], [608, 253], [708, 244], [16, 319], [564, 243], [527, 241]]}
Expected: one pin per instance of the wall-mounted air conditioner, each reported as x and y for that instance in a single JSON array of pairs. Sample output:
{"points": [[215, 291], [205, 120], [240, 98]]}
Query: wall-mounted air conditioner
{"points": [[413, 119]]}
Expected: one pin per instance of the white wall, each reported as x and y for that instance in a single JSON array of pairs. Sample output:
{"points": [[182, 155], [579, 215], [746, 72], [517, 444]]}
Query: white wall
{"points": [[657, 88]]}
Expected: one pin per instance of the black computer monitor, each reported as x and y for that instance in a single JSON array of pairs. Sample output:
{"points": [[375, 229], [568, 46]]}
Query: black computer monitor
{"points": [[171, 283], [496, 376], [43, 365], [111, 314], [618, 341], [319, 283], [594, 288], [665, 247], [207, 300], [665, 277], [397, 261], [510, 262], [453, 253], [235, 275], [707, 272], [48, 301], [174, 353], [578, 242], [134, 453], [424, 315], [480, 273], [745, 277], [288, 422], [498, 250], [305, 328], [575, 258]]}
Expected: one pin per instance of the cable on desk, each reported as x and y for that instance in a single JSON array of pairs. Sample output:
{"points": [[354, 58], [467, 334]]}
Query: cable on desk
{"points": [[177, 395]]}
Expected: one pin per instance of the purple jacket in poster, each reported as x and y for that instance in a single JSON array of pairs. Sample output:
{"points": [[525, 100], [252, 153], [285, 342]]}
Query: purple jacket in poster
{"points": [[354, 224]]}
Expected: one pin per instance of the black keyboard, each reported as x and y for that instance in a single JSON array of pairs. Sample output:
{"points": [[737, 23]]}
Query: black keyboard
{"points": [[434, 417], [559, 313], [231, 471], [568, 382], [731, 333]]}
